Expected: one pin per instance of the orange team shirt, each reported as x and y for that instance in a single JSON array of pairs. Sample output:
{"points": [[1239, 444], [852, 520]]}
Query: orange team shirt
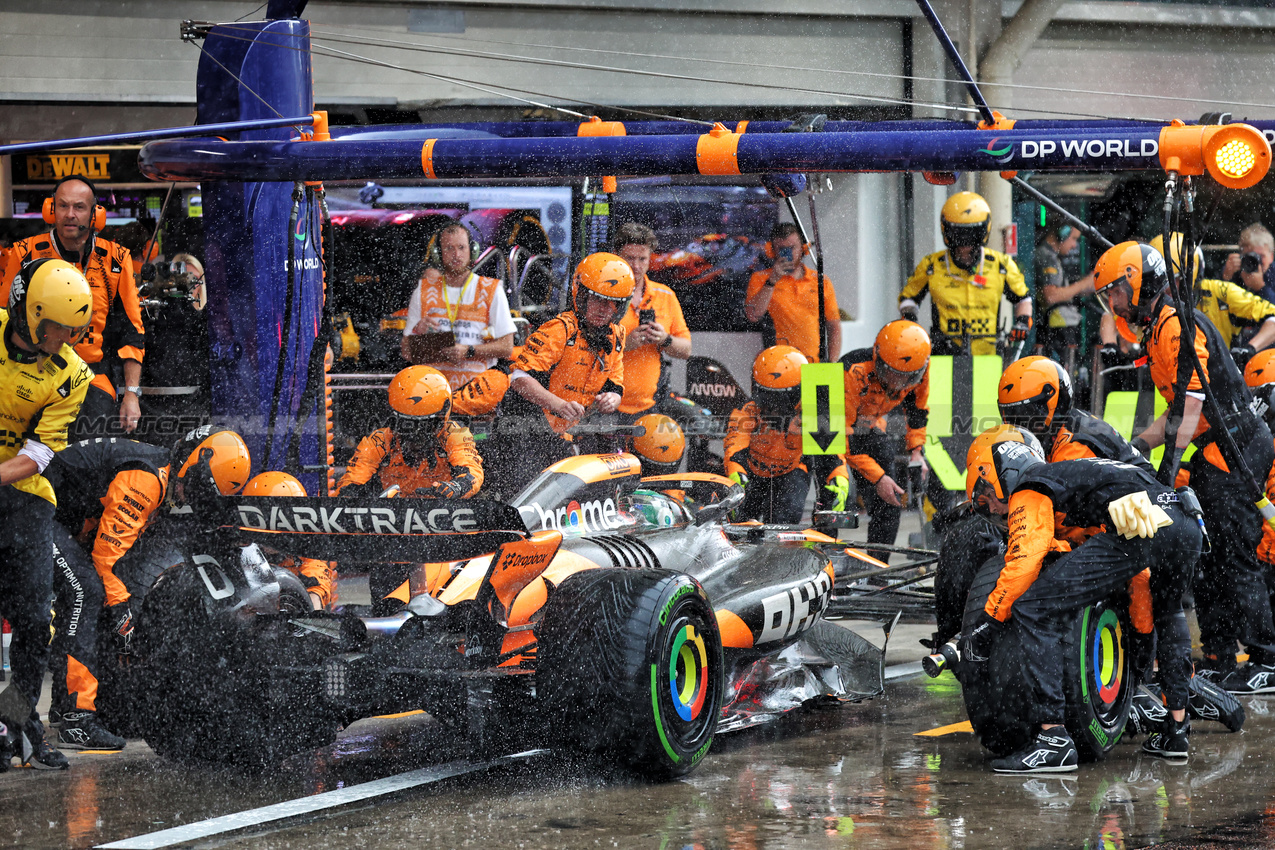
{"points": [[575, 372], [1266, 549], [792, 308], [379, 454], [127, 507], [868, 402], [642, 364], [1162, 356], [110, 276]]}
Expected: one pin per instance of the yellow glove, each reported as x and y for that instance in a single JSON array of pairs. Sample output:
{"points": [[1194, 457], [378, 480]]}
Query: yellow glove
{"points": [[1135, 516]]}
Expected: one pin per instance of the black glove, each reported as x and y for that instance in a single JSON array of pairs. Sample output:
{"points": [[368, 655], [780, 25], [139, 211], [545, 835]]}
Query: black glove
{"points": [[1241, 354], [909, 312], [453, 489], [977, 645], [1111, 355], [1141, 446], [1142, 652], [1022, 326], [120, 618]]}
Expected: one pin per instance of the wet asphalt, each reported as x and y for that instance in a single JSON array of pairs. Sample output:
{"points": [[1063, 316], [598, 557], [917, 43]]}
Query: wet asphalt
{"points": [[853, 776]]}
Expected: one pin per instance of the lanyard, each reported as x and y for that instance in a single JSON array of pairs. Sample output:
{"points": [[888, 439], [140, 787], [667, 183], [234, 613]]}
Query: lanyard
{"points": [[452, 312]]}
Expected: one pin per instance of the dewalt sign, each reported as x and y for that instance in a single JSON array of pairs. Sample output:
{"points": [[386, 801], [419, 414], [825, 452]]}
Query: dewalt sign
{"points": [[101, 165]]}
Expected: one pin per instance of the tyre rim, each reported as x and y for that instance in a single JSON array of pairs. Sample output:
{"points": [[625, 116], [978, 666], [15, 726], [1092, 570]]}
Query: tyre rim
{"points": [[1107, 664], [684, 689]]}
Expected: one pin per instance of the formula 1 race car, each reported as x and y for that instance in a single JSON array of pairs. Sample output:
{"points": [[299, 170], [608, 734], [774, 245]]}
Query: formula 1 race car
{"points": [[610, 613]]}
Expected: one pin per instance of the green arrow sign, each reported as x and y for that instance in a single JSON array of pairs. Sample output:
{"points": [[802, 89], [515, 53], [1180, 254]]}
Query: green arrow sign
{"points": [[823, 409]]}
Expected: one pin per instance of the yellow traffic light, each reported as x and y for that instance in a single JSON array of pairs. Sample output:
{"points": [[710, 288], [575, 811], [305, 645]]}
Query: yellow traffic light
{"points": [[1235, 155]]}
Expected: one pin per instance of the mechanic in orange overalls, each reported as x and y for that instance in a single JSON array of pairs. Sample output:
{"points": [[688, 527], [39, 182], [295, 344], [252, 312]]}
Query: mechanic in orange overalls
{"points": [[893, 373], [763, 446], [319, 577], [108, 490], [1101, 524], [424, 453], [571, 366], [116, 338]]}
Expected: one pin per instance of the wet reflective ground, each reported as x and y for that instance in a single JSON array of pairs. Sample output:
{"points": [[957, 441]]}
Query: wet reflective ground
{"points": [[854, 776]]}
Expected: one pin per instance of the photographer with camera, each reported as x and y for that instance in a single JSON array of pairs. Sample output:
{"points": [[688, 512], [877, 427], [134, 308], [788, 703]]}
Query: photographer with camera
{"points": [[788, 293], [173, 300], [1251, 267]]}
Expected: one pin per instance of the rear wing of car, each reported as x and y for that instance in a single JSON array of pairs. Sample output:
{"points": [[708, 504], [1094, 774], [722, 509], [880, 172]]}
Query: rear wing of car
{"points": [[366, 529]]}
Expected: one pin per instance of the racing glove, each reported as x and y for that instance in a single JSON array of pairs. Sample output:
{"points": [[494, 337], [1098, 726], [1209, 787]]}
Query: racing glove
{"points": [[740, 479], [1111, 356], [1135, 516], [453, 489], [1141, 446], [120, 618], [1018, 333], [977, 645], [839, 488], [1242, 354], [909, 311]]}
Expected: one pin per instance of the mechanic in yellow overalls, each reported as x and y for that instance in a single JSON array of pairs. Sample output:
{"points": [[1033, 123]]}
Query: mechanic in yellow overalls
{"points": [[966, 282]]}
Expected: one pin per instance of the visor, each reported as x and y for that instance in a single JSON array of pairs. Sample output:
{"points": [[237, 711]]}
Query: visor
{"points": [[895, 379], [784, 401], [1031, 415], [77, 333]]}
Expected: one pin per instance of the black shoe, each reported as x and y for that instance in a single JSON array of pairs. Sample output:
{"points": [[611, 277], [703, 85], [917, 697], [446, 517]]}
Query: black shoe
{"points": [[1251, 679], [1170, 741], [36, 751], [1051, 751], [1209, 702], [1147, 712], [81, 730]]}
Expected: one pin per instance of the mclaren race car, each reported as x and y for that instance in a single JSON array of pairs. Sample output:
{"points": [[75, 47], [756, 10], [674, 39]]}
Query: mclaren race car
{"points": [[602, 611]]}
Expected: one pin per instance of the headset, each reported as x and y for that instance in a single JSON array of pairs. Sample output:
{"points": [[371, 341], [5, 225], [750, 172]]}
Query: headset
{"points": [[99, 212], [769, 250], [434, 252]]}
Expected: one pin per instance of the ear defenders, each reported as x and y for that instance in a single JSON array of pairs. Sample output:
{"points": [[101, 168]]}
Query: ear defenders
{"points": [[434, 250], [99, 212]]}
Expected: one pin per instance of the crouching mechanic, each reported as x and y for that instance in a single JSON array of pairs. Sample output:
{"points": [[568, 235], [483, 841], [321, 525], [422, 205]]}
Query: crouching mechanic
{"points": [[894, 373], [572, 365], [1143, 527], [1231, 596], [763, 446], [108, 490], [319, 577], [424, 453], [42, 384]]}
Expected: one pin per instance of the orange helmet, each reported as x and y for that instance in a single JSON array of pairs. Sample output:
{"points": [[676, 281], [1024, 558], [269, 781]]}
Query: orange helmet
{"points": [[224, 452], [777, 378], [1034, 394], [273, 483], [900, 354], [661, 446], [1260, 370], [421, 400], [605, 276], [1139, 270], [996, 462]]}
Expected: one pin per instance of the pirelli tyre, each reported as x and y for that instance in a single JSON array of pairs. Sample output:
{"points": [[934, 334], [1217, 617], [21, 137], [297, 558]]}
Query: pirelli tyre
{"points": [[1096, 678], [210, 671], [630, 667]]}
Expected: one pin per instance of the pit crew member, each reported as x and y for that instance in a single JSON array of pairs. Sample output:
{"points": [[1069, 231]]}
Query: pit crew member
{"points": [[965, 284], [1231, 598], [474, 309], [108, 490], [1143, 527], [763, 446], [788, 293], [1060, 334], [424, 453], [319, 577], [42, 385], [894, 373], [116, 339]]}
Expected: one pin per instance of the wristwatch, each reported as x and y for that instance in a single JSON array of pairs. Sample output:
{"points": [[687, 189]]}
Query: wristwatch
{"points": [[667, 341], [469, 353], [137, 391]]}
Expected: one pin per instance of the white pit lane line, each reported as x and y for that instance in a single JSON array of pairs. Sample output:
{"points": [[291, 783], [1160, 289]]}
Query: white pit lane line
{"points": [[312, 804]]}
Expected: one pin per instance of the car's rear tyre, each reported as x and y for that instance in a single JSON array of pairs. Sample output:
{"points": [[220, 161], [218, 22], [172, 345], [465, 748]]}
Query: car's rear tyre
{"points": [[1096, 679], [630, 666], [210, 696]]}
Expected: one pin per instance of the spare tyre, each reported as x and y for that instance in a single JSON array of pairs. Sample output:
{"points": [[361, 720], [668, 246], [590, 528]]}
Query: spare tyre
{"points": [[630, 666], [1097, 678]]}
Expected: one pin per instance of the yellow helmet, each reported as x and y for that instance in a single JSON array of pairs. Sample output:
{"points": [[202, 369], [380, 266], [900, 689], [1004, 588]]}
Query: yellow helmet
{"points": [[965, 219], [661, 446], [1175, 261], [273, 483], [48, 292], [224, 451]]}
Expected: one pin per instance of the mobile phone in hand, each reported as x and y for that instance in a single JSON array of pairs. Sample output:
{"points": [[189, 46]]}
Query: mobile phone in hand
{"points": [[785, 253], [646, 317]]}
